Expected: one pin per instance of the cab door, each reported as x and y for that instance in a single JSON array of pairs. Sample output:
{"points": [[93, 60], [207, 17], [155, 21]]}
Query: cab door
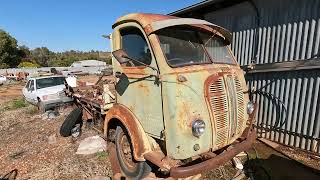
{"points": [[29, 92], [137, 86]]}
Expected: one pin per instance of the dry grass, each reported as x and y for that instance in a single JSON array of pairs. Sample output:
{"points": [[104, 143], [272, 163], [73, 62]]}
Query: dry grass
{"points": [[24, 146]]}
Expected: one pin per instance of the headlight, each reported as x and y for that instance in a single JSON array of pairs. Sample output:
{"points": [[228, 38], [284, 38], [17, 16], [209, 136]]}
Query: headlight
{"points": [[198, 127], [45, 97], [250, 107]]}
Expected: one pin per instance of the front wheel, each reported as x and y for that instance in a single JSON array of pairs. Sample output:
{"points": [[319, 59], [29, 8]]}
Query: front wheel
{"points": [[129, 166], [41, 107]]}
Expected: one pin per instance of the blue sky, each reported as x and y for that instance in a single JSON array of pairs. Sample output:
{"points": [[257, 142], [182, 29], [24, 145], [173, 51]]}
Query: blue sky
{"points": [[73, 24]]}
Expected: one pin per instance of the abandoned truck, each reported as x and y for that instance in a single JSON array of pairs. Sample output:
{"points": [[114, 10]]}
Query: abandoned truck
{"points": [[176, 98]]}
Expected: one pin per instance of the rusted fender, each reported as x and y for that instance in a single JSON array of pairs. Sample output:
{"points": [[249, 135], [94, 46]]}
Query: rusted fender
{"points": [[137, 134]]}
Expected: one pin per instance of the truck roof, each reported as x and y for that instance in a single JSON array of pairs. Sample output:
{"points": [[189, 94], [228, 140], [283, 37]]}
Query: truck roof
{"points": [[154, 22], [144, 19], [42, 77]]}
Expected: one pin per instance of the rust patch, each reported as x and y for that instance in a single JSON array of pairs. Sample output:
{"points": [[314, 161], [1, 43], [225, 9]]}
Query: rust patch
{"points": [[144, 19], [113, 158], [144, 88], [86, 115], [139, 140]]}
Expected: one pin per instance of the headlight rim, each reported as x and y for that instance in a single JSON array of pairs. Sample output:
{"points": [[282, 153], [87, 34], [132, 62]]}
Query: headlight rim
{"points": [[196, 125], [250, 107]]}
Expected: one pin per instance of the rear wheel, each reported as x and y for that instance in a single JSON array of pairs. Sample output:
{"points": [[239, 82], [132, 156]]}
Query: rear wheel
{"points": [[71, 121], [129, 166]]}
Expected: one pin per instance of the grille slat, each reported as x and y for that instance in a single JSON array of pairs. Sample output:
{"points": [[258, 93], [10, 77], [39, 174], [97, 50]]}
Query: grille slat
{"points": [[228, 114]]}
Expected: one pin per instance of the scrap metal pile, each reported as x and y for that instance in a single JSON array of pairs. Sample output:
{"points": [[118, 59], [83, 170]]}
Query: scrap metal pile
{"points": [[101, 93]]}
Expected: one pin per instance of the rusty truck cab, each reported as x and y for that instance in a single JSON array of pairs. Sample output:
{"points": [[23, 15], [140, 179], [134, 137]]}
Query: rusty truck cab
{"points": [[181, 95]]}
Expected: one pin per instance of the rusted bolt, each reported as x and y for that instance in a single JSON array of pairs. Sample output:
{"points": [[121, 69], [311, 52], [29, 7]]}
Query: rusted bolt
{"points": [[196, 147], [181, 78]]}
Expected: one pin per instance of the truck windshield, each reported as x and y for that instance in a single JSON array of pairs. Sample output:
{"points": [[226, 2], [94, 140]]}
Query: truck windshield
{"points": [[186, 46], [49, 82]]}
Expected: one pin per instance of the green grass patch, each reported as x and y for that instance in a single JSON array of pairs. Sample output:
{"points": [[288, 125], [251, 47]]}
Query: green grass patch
{"points": [[18, 103], [102, 155], [14, 104]]}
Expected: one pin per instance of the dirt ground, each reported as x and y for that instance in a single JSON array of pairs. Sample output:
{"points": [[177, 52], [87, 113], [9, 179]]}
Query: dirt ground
{"points": [[11, 91], [33, 146]]}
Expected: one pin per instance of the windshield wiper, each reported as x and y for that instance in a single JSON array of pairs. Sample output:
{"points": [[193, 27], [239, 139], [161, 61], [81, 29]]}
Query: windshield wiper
{"points": [[214, 33], [192, 44]]}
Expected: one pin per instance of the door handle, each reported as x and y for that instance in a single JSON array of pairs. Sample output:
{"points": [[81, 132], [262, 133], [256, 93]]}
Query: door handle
{"points": [[118, 74]]}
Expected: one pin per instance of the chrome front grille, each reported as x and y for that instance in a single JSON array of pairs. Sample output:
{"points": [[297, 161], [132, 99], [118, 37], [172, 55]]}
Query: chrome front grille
{"points": [[240, 106], [226, 98]]}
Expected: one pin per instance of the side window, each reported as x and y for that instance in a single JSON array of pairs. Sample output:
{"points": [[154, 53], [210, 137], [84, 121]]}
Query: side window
{"points": [[134, 43], [28, 84], [31, 87]]}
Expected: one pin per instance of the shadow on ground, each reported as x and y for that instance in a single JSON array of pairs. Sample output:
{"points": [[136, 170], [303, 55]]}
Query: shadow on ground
{"points": [[269, 164]]}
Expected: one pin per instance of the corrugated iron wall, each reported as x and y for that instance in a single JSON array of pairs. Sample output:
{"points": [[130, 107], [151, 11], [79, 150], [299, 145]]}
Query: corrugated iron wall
{"points": [[278, 31], [286, 30], [288, 107]]}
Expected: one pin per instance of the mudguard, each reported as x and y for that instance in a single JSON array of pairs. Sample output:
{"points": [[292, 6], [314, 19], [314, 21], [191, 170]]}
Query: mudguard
{"points": [[137, 134]]}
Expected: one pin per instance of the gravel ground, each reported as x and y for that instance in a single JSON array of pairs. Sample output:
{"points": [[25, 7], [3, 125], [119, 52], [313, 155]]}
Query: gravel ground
{"points": [[34, 147]]}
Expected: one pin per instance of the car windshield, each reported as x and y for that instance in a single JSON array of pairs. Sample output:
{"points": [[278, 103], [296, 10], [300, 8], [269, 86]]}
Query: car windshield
{"points": [[186, 46], [48, 82]]}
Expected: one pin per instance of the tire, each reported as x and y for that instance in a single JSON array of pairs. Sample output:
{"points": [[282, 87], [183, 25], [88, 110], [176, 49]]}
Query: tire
{"points": [[41, 107], [75, 117], [129, 166]]}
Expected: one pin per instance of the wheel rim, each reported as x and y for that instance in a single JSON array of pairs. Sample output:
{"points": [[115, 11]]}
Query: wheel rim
{"points": [[126, 153]]}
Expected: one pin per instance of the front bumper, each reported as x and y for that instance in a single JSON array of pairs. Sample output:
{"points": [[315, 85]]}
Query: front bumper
{"points": [[182, 172], [57, 102]]}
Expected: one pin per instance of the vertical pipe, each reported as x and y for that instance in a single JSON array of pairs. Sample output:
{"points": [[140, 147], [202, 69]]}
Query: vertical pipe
{"points": [[316, 117], [251, 46], [277, 50], [304, 41], [287, 46], [293, 41], [283, 35], [298, 45], [311, 40], [247, 47], [272, 50], [317, 39], [307, 121], [299, 129], [263, 45], [266, 58], [289, 104], [240, 48], [296, 98]]}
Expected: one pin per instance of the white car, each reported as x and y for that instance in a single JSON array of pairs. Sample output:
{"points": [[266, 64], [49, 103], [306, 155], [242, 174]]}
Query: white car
{"points": [[46, 92], [2, 79]]}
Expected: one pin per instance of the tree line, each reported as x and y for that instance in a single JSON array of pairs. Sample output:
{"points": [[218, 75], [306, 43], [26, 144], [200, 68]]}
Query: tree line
{"points": [[12, 55]]}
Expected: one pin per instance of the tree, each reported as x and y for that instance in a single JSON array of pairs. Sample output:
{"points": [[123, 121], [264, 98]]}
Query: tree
{"points": [[24, 53], [41, 55], [9, 52]]}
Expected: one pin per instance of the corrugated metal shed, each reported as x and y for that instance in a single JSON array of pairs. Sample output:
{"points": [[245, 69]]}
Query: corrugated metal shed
{"points": [[283, 39]]}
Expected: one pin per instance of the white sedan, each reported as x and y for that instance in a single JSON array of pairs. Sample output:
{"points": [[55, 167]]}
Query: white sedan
{"points": [[2, 79], [46, 92]]}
